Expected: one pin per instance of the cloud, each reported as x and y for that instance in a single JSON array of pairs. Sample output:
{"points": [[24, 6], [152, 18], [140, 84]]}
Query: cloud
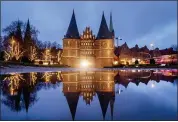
{"points": [[162, 37], [132, 20]]}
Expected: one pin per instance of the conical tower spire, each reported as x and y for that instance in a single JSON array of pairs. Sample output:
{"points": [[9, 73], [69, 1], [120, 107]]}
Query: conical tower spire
{"points": [[72, 100], [104, 32], [104, 98], [111, 25], [26, 97], [72, 31], [112, 105], [27, 37]]}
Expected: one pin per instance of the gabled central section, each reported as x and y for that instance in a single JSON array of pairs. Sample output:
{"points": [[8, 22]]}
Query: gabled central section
{"points": [[87, 52]]}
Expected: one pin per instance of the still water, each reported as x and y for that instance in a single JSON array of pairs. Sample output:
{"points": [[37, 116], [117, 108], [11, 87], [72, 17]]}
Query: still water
{"points": [[90, 95]]}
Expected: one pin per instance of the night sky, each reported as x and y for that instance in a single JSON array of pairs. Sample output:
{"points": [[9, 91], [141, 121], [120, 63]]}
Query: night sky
{"points": [[135, 22]]}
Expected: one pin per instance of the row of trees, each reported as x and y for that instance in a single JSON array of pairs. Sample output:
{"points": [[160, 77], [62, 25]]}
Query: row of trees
{"points": [[20, 42]]}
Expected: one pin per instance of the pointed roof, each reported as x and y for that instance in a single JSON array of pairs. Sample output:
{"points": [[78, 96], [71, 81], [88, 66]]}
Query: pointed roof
{"points": [[111, 29], [72, 100], [104, 32], [124, 45], [28, 35], [26, 97], [144, 49], [104, 98], [17, 100], [72, 31], [112, 105]]}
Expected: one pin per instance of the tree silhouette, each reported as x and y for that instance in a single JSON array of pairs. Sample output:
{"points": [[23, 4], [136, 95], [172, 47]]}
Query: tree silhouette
{"points": [[152, 61], [136, 62]]}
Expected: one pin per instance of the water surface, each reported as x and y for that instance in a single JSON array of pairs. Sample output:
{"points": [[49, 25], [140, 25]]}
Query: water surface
{"points": [[90, 95]]}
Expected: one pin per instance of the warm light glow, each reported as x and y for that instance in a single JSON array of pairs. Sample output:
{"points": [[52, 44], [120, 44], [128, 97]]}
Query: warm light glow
{"points": [[45, 63], [47, 50], [115, 62], [133, 70], [84, 63], [133, 59], [47, 76], [13, 51], [13, 41], [47, 55], [33, 53]]}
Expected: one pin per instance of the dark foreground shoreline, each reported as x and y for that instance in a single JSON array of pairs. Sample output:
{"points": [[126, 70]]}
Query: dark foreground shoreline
{"points": [[10, 64]]}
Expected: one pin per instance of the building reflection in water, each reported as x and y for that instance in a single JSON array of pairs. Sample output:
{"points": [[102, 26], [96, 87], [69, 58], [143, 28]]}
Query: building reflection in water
{"points": [[87, 85], [20, 90]]}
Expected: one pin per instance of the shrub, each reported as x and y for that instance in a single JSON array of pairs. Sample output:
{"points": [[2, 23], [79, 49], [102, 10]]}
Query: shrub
{"points": [[127, 63], [14, 59], [25, 59], [41, 62], [152, 61], [136, 62], [2, 54]]}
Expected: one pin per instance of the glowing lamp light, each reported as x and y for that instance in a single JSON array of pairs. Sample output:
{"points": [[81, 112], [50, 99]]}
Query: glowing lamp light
{"points": [[13, 41], [45, 63], [133, 70], [84, 63], [133, 59], [115, 62], [151, 44]]}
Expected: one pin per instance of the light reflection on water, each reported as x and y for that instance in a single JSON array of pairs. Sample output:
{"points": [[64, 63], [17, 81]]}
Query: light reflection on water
{"points": [[90, 95]]}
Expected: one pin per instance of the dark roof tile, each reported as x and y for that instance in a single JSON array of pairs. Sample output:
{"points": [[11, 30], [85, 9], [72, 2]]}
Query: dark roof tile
{"points": [[72, 31], [104, 32]]}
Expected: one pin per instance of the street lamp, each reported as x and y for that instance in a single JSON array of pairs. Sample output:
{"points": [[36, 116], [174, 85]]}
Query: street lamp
{"points": [[152, 46], [118, 38]]}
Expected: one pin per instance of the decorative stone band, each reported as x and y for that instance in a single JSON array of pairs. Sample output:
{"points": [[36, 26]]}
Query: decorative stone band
{"points": [[104, 49], [71, 73], [70, 57], [66, 48], [104, 57], [70, 82], [105, 81], [86, 49]]}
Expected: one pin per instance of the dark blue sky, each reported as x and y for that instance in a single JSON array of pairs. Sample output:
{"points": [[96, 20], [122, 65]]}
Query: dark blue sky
{"points": [[135, 22]]}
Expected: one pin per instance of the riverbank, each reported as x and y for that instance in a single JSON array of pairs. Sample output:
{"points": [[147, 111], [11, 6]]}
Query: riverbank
{"points": [[7, 64], [26, 69], [145, 66]]}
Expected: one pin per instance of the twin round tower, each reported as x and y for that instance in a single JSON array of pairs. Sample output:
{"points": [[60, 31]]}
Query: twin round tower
{"points": [[86, 50]]}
